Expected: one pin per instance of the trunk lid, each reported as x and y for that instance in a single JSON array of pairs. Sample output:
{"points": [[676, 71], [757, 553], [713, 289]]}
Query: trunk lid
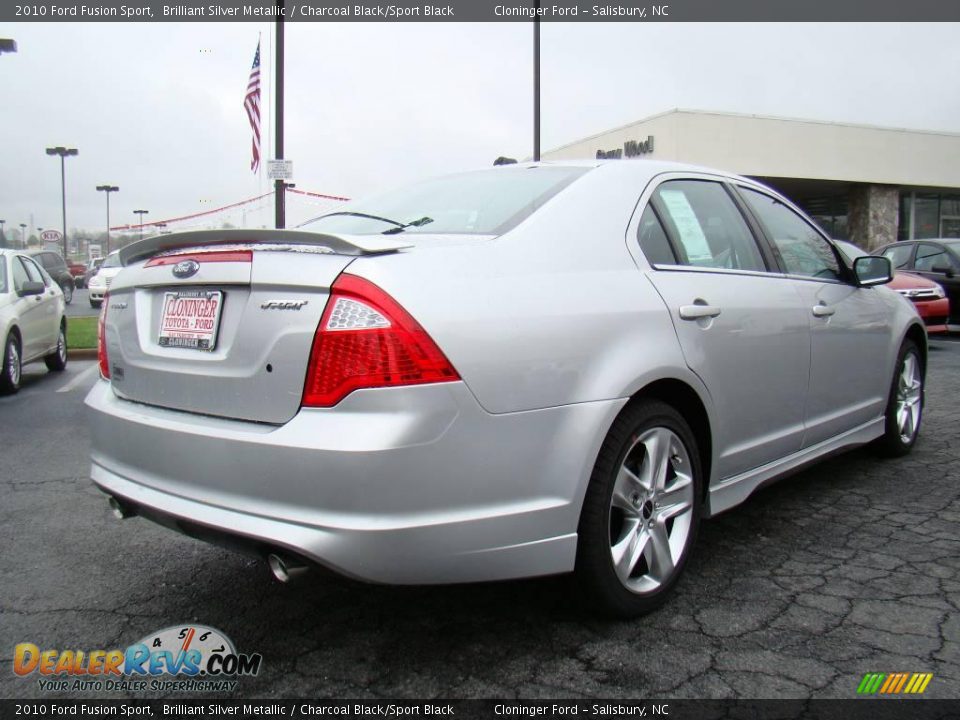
{"points": [[256, 297]]}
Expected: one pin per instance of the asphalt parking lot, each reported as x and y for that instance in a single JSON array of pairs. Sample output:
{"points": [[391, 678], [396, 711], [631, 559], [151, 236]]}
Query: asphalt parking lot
{"points": [[80, 305], [850, 567]]}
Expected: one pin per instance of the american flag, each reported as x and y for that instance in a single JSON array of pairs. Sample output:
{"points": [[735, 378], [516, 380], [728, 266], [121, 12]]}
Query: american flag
{"points": [[252, 105]]}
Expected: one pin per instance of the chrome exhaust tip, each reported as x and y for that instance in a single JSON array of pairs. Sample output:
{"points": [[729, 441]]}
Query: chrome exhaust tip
{"points": [[120, 510], [284, 569]]}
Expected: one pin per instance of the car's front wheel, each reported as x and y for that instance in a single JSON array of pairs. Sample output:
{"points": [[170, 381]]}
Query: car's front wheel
{"points": [[905, 403], [57, 360], [96, 303], [10, 373], [68, 293], [641, 511]]}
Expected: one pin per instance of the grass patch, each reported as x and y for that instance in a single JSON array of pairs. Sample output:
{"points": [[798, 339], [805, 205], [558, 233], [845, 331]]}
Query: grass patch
{"points": [[82, 332]]}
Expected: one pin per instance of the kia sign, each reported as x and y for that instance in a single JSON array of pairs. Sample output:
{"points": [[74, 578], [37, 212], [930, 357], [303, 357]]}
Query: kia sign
{"points": [[51, 236]]}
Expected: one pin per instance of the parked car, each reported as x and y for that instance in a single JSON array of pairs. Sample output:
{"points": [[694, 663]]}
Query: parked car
{"points": [[937, 260], [32, 319], [527, 370], [56, 267], [928, 297], [101, 279], [92, 266], [77, 272]]}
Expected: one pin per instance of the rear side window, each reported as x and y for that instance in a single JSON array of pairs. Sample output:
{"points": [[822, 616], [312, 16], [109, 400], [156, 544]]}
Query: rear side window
{"points": [[653, 240], [899, 255], [709, 229], [803, 250]]}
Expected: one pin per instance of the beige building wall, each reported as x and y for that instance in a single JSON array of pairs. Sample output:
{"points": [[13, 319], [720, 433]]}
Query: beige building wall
{"points": [[776, 147]]}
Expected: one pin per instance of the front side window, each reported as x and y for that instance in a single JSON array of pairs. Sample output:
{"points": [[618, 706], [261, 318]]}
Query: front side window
{"points": [[899, 255], [803, 250], [33, 271], [19, 275], [709, 229], [929, 257]]}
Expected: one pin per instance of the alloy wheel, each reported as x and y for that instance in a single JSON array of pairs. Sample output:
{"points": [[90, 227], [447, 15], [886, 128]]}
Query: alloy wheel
{"points": [[909, 397], [13, 363], [651, 510]]}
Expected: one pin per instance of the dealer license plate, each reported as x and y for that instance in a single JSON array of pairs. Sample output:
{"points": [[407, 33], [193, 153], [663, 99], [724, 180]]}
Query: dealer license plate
{"points": [[190, 319]]}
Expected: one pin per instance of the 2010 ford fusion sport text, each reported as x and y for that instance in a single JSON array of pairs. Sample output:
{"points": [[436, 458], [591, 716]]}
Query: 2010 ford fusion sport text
{"points": [[528, 370]]}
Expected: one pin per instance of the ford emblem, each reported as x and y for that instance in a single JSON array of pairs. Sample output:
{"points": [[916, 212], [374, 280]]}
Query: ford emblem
{"points": [[186, 268]]}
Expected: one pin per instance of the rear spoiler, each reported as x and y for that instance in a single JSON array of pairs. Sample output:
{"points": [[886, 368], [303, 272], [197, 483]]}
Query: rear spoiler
{"points": [[337, 244]]}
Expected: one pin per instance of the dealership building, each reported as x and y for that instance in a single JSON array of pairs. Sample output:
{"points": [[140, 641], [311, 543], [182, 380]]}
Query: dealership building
{"points": [[871, 185]]}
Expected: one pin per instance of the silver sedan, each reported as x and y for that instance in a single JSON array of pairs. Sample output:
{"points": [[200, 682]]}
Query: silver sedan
{"points": [[529, 370]]}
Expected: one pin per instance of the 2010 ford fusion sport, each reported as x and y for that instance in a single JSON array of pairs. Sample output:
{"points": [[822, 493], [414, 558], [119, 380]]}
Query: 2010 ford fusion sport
{"points": [[521, 371]]}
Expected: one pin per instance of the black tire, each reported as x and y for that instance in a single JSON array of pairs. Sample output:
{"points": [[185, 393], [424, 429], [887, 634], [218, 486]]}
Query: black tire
{"points": [[600, 526], [57, 360], [67, 293], [10, 373], [96, 303], [896, 440]]}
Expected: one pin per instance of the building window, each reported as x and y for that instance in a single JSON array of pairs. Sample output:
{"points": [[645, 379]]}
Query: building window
{"points": [[903, 223], [830, 213], [926, 216]]}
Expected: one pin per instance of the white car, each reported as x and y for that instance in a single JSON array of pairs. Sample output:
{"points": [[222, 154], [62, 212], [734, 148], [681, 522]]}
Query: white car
{"points": [[31, 318], [100, 281]]}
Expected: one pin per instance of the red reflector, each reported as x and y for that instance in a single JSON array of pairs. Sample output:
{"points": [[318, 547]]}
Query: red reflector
{"points": [[102, 338], [367, 340], [202, 257]]}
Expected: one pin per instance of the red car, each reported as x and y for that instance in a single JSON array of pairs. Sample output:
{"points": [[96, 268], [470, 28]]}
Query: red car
{"points": [[928, 297], [77, 271]]}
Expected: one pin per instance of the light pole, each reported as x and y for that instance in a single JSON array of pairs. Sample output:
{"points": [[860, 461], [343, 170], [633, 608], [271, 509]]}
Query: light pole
{"points": [[108, 189], [141, 213], [64, 153], [3, 235], [23, 235]]}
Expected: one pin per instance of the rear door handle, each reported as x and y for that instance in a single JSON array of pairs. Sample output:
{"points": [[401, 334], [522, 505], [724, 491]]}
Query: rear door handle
{"points": [[695, 312], [823, 311]]}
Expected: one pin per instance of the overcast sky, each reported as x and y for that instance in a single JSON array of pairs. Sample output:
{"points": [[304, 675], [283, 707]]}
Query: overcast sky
{"points": [[157, 108]]}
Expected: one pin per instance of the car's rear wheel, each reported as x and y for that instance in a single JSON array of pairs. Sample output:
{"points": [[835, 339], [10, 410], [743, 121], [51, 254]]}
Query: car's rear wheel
{"points": [[905, 404], [10, 374], [68, 293], [95, 303], [641, 511], [57, 360]]}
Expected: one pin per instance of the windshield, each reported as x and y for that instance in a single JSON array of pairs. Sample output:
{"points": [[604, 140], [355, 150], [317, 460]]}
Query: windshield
{"points": [[952, 244], [3, 274], [488, 202], [113, 260]]}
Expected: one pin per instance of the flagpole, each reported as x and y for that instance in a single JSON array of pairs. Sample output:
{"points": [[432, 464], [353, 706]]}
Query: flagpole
{"points": [[279, 188]]}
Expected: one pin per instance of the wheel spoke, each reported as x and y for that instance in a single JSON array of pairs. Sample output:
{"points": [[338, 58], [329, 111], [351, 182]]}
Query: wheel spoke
{"points": [[657, 444], [627, 552], [659, 557], [626, 486], [676, 499]]}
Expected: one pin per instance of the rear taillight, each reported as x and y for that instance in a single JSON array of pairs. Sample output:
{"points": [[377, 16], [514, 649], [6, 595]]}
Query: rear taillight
{"points": [[366, 340], [102, 338]]}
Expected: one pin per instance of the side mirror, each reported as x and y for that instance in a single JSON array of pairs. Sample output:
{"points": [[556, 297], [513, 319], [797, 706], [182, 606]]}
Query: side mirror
{"points": [[870, 270], [31, 287], [943, 269]]}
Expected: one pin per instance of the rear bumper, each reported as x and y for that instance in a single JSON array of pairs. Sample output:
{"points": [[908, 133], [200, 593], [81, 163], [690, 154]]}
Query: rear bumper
{"points": [[409, 485]]}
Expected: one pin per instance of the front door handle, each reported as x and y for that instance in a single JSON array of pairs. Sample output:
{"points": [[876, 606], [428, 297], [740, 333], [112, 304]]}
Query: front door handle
{"points": [[698, 311], [823, 311]]}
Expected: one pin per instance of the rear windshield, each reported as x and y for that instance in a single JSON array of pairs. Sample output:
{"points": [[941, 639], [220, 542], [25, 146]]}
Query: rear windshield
{"points": [[488, 202]]}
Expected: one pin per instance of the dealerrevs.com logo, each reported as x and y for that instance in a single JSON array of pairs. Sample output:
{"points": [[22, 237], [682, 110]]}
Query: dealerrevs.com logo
{"points": [[178, 658]]}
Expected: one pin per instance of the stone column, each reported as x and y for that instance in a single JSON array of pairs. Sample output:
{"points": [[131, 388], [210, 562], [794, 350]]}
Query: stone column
{"points": [[872, 216]]}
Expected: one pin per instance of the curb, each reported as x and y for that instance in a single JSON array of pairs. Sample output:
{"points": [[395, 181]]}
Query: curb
{"points": [[81, 353]]}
